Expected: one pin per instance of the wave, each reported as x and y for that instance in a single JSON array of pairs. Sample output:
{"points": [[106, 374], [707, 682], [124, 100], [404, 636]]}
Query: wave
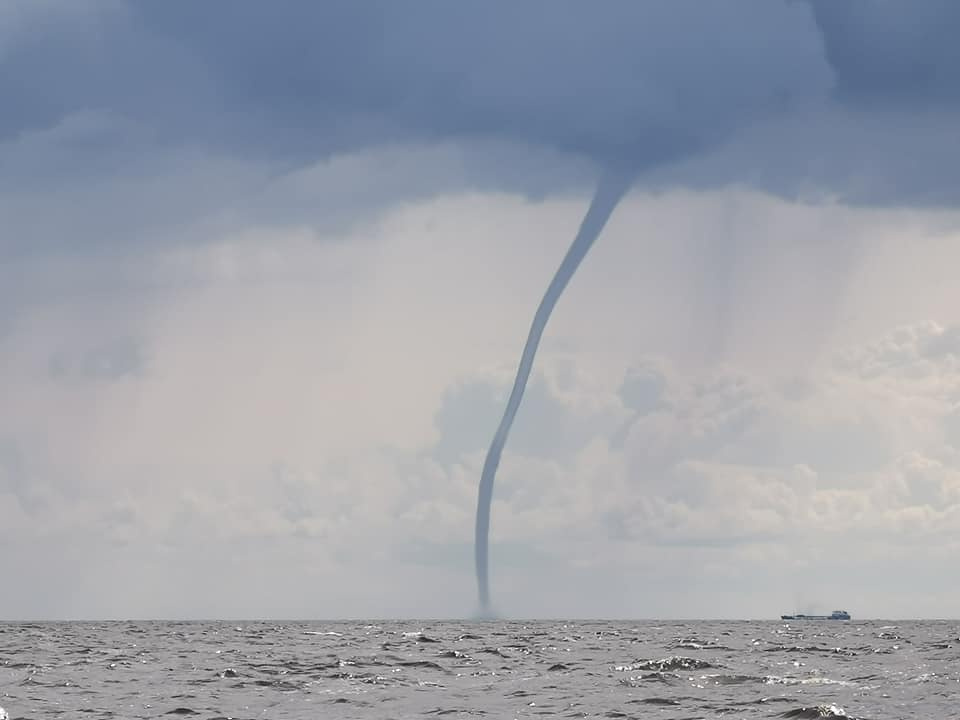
{"points": [[669, 664], [819, 711]]}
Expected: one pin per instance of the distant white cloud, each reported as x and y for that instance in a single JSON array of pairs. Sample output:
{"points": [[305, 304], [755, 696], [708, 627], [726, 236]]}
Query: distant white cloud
{"points": [[284, 422]]}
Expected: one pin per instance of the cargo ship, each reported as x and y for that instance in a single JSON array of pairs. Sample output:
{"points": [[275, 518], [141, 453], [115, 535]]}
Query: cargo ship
{"points": [[835, 615]]}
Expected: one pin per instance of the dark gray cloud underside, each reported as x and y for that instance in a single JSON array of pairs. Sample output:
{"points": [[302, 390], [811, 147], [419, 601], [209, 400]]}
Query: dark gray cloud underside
{"points": [[112, 103], [319, 78], [892, 52]]}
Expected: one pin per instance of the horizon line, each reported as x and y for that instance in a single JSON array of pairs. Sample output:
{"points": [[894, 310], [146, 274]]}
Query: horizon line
{"points": [[451, 619]]}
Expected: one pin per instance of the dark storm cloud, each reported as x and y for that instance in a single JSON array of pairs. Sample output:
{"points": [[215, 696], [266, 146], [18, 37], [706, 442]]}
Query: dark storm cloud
{"points": [[892, 52], [128, 117], [633, 81], [625, 80]]}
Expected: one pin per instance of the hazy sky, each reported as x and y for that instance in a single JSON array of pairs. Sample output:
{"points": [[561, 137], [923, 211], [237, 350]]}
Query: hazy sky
{"points": [[266, 270]]}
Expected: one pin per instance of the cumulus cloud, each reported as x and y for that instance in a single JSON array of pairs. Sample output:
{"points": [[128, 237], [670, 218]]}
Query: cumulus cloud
{"points": [[290, 420], [699, 479]]}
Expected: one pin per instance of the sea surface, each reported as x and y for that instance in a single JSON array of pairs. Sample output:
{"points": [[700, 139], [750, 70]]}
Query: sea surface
{"points": [[417, 669]]}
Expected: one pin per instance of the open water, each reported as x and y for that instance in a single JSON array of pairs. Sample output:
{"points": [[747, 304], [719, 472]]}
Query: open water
{"points": [[879, 670]]}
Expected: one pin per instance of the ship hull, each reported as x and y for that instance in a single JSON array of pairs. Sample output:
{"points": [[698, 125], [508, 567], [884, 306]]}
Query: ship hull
{"points": [[834, 616]]}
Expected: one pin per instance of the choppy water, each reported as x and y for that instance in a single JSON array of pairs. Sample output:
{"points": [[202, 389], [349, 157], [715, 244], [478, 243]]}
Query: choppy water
{"points": [[498, 670]]}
